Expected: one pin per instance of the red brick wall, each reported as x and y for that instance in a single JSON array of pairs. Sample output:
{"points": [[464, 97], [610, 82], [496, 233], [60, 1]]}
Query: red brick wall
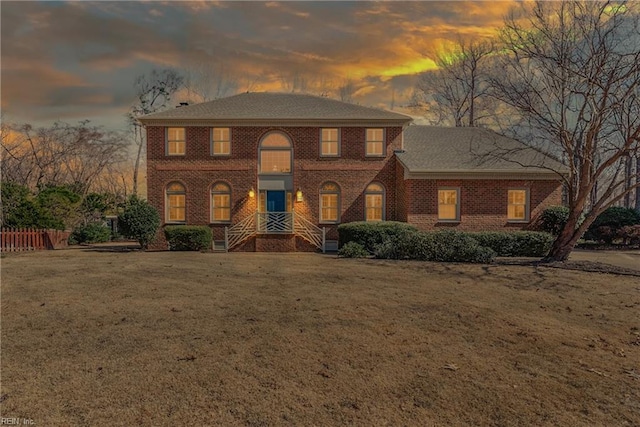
{"points": [[483, 203], [197, 170], [275, 243], [401, 193]]}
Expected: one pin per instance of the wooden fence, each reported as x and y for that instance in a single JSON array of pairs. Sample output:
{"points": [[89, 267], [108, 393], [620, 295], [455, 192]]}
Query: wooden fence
{"points": [[29, 239]]}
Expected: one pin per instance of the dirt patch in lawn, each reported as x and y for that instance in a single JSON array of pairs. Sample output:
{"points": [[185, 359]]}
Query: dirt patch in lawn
{"points": [[108, 338]]}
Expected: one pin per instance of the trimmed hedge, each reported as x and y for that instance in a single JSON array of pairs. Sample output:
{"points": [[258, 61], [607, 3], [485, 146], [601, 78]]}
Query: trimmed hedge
{"points": [[441, 246], [353, 250], [399, 240], [94, 232], [188, 238], [516, 243], [371, 234]]}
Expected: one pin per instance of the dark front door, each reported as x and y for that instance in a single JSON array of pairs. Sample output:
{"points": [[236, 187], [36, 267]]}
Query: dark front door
{"points": [[275, 203]]}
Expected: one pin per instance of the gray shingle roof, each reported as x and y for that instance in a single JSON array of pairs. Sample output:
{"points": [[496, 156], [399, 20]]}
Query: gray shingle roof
{"points": [[464, 149], [275, 106]]}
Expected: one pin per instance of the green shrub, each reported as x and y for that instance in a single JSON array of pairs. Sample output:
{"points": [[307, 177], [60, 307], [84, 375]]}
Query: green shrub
{"points": [[630, 234], [94, 232], [457, 246], [188, 238], [609, 222], [60, 205], [516, 243], [441, 246], [414, 245], [553, 219], [353, 250], [371, 234], [140, 221]]}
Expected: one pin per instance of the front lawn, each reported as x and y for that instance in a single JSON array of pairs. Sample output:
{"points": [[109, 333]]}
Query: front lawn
{"points": [[159, 338]]}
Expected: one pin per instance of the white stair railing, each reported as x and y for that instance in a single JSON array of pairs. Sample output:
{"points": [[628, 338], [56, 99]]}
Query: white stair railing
{"points": [[309, 231], [239, 232], [275, 222]]}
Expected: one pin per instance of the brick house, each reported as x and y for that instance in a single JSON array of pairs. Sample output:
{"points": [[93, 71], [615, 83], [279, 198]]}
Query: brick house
{"points": [[279, 172]]}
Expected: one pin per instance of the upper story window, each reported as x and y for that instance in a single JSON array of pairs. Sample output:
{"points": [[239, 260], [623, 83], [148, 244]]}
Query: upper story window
{"points": [[449, 204], [220, 142], [518, 205], [374, 202], [176, 142], [375, 142], [275, 154], [220, 202], [176, 202], [329, 142], [330, 203]]}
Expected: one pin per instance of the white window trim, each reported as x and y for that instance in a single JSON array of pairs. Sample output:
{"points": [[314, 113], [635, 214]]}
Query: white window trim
{"points": [[167, 209], [458, 202], [384, 201], [212, 142], [339, 143], [211, 193], [338, 207], [527, 206], [166, 141], [261, 148], [384, 145]]}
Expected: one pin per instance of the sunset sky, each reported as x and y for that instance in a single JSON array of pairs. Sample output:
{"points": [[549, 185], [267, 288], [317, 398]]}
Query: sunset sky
{"points": [[77, 60]]}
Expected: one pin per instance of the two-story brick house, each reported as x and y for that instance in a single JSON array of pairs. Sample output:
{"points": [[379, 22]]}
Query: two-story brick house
{"points": [[273, 171]]}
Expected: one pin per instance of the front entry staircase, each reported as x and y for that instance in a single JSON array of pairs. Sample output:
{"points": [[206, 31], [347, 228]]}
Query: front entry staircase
{"points": [[274, 223]]}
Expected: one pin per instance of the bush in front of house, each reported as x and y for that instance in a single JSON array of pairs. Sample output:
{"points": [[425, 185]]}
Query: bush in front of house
{"points": [[553, 219], [94, 232], [516, 243], [371, 234], [630, 235], [440, 246], [353, 250], [140, 221], [607, 225], [188, 238]]}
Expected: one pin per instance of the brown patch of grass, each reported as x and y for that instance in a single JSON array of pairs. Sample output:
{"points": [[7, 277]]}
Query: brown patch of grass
{"points": [[107, 338]]}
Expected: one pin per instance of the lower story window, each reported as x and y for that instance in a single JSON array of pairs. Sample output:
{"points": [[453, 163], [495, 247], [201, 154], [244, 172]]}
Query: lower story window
{"points": [[374, 202], [329, 202], [220, 203], [448, 204], [176, 203], [517, 207]]}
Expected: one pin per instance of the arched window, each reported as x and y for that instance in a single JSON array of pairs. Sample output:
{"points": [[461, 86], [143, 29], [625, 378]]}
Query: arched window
{"points": [[176, 202], [330, 202], [275, 154], [220, 202], [374, 202]]}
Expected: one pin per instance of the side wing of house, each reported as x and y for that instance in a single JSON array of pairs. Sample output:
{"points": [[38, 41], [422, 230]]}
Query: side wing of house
{"points": [[473, 180]]}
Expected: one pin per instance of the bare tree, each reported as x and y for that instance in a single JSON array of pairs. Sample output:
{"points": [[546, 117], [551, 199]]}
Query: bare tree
{"points": [[295, 82], [61, 154], [153, 93], [208, 80], [572, 73], [457, 90], [346, 90]]}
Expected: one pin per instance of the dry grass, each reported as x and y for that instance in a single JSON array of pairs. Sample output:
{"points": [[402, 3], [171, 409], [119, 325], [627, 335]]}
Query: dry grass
{"points": [[99, 338]]}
